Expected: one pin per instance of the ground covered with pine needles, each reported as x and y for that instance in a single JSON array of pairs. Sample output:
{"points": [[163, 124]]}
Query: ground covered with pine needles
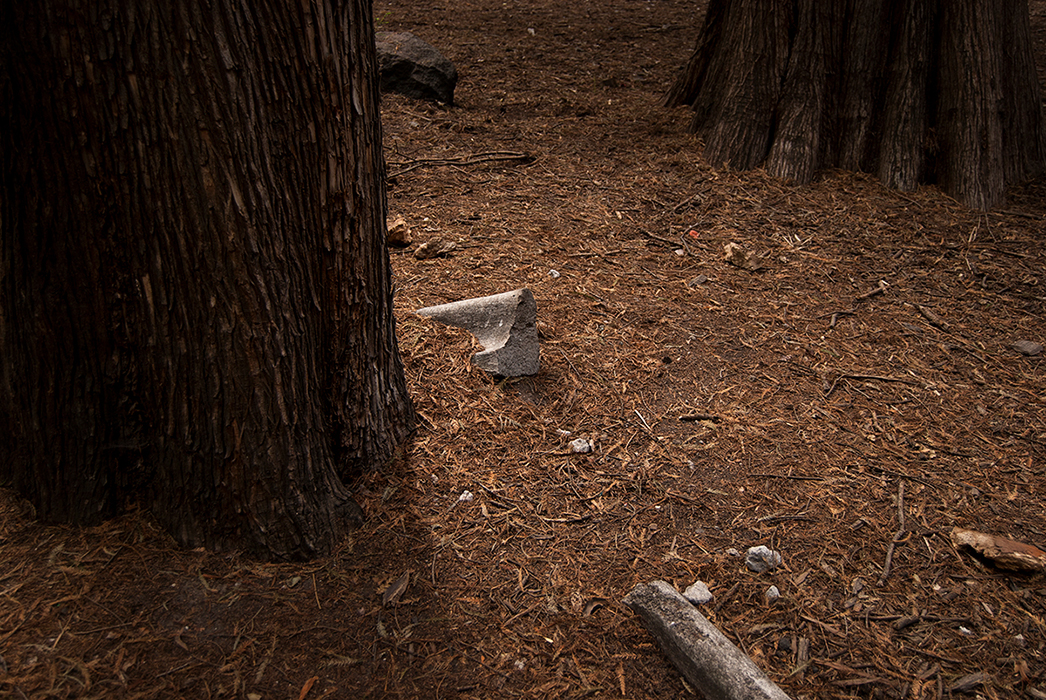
{"points": [[847, 393]]}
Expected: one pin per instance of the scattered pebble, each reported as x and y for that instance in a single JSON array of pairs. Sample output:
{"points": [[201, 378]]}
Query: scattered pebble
{"points": [[760, 559], [580, 446], [465, 497], [554, 274], [698, 593], [733, 552], [772, 594]]}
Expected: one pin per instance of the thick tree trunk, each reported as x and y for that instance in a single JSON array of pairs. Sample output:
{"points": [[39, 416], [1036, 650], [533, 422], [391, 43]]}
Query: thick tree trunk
{"points": [[195, 295], [938, 91]]}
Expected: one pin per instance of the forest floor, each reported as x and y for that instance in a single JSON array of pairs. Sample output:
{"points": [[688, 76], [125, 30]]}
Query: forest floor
{"points": [[847, 403]]}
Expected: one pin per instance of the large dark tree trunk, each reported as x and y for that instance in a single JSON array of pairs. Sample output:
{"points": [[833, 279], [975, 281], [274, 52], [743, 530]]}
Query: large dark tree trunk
{"points": [[194, 286], [937, 91]]}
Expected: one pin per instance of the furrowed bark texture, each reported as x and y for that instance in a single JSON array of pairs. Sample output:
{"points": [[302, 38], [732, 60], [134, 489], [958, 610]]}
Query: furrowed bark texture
{"points": [[939, 91], [195, 297]]}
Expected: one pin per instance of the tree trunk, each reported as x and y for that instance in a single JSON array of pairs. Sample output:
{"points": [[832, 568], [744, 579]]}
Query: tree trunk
{"points": [[939, 91], [195, 293]]}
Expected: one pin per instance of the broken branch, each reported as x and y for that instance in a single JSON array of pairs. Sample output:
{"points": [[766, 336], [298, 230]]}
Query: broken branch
{"points": [[697, 648], [471, 159]]}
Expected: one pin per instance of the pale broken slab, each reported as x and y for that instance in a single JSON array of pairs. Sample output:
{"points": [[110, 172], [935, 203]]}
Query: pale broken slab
{"points": [[506, 325], [1003, 552]]}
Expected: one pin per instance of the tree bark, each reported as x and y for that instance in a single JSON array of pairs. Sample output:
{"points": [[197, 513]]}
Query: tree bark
{"points": [[195, 295], [939, 91]]}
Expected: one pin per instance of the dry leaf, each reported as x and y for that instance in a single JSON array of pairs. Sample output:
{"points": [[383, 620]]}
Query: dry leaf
{"points": [[738, 257], [434, 249], [307, 687]]}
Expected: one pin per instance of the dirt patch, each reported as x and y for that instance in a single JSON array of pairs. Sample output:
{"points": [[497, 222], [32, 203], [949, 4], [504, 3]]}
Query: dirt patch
{"points": [[861, 375]]}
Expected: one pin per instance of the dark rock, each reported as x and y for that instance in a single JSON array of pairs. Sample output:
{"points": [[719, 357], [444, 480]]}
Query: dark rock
{"points": [[411, 67], [1027, 347]]}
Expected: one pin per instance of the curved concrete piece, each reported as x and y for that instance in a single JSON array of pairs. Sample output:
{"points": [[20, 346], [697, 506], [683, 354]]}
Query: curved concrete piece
{"points": [[506, 326]]}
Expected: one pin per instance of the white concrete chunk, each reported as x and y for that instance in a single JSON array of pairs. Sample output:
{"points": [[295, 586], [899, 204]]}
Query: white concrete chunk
{"points": [[506, 326]]}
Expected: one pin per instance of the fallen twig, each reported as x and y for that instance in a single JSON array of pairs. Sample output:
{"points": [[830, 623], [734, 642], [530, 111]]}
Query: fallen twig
{"points": [[898, 537], [878, 290], [932, 317], [787, 476], [688, 200], [777, 518], [837, 314], [869, 377], [471, 159], [701, 416], [659, 239]]}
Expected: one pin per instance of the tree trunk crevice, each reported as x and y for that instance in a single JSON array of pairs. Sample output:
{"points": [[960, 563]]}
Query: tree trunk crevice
{"points": [[196, 295], [928, 92]]}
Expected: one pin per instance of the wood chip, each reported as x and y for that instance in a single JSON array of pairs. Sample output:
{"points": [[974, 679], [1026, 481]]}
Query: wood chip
{"points": [[1003, 552], [966, 684]]}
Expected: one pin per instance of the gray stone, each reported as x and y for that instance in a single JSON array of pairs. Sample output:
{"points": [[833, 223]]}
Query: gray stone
{"points": [[506, 326], [698, 593], [409, 66], [760, 559]]}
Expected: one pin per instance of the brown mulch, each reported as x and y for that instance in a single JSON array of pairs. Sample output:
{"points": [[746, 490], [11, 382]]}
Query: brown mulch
{"points": [[847, 403]]}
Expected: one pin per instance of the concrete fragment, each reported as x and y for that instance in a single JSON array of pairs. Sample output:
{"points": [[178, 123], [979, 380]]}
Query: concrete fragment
{"points": [[709, 661], [506, 326]]}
